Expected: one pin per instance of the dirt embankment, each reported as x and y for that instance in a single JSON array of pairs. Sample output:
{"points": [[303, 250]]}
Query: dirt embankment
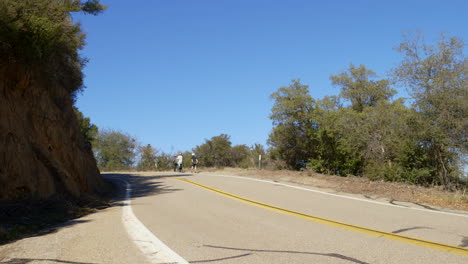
{"points": [[391, 191], [42, 152]]}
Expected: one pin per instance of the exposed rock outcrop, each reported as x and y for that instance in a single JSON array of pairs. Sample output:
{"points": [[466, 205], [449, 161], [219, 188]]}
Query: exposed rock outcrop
{"points": [[42, 152]]}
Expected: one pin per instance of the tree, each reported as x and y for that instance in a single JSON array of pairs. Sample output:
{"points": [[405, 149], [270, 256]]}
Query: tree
{"points": [[358, 87], [115, 150], [292, 104], [164, 161], [240, 155], [387, 137], [148, 159], [215, 152], [335, 153], [435, 75], [88, 129], [292, 136], [378, 141]]}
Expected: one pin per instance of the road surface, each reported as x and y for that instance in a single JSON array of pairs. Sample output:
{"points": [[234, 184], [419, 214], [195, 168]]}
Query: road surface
{"points": [[205, 218]]}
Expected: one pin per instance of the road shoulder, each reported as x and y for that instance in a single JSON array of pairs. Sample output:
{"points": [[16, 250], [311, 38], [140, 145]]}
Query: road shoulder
{"points": [[95, 238]]}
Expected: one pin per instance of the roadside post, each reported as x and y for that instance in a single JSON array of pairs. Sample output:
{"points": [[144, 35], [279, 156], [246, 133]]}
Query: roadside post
{"points": [[259, 162]]}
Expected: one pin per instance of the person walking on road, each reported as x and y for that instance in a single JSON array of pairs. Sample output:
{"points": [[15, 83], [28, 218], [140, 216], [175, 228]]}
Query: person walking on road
{"points": [[175, 163], [180, 159], [193, 169]]}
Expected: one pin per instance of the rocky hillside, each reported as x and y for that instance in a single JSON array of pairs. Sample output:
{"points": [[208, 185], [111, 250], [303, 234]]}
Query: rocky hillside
{"points": [[42, 152]]}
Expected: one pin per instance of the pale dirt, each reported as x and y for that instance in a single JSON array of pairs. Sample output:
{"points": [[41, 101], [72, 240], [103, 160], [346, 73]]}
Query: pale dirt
{"points": [[390, 191]]}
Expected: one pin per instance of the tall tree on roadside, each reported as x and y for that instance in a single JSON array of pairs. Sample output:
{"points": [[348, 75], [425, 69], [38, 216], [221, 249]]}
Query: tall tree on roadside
{"points": [[115, 150], [388, 137], [164, 161], [436, 78], [215, 152], [292, 136], [148, 159], [333, 153], [240, 155]]}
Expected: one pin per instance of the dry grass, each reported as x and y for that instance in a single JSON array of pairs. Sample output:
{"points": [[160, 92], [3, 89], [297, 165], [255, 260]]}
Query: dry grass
{"points": [[390, 191]]}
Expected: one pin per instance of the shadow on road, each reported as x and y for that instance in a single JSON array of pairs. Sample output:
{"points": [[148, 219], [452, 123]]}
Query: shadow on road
{"points": [[141, 185], [31, 218], [24, 219], [332, 255], [55, 228]]}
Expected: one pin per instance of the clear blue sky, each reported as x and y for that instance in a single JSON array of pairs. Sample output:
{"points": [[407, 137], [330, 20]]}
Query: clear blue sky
{"points": [[173, 73]]}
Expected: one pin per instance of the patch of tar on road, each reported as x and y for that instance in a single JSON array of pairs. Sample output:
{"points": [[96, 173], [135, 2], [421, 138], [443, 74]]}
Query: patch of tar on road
{"points": [[464, 242], [394, 202], [426, 206], [333, 255], [220, 259], [410, 228]]}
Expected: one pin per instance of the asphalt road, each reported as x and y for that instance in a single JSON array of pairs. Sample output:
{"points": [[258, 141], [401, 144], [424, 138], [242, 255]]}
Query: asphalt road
{"points": [[215, 219], [204, 226]]}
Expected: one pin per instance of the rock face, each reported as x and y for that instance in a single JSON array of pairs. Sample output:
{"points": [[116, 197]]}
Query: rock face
{"points": [[42, 152]]}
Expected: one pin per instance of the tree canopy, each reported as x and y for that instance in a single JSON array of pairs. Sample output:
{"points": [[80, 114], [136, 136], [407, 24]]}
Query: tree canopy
{"points": [[436, 77], [219, 152], [148, 158], [358, 87], [40, 37], [115, 150], [291, 113]]}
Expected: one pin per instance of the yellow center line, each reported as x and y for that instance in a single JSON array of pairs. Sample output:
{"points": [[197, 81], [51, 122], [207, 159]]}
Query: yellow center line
{"points": [[355, 228]]}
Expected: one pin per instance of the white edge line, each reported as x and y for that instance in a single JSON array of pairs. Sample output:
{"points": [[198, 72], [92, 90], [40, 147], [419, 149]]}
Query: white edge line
{"points": [[154, 249], [337, 195]]}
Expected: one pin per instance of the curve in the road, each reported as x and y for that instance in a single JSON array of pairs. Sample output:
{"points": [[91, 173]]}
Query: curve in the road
{"points": [[355, 228], [154, 249]]}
